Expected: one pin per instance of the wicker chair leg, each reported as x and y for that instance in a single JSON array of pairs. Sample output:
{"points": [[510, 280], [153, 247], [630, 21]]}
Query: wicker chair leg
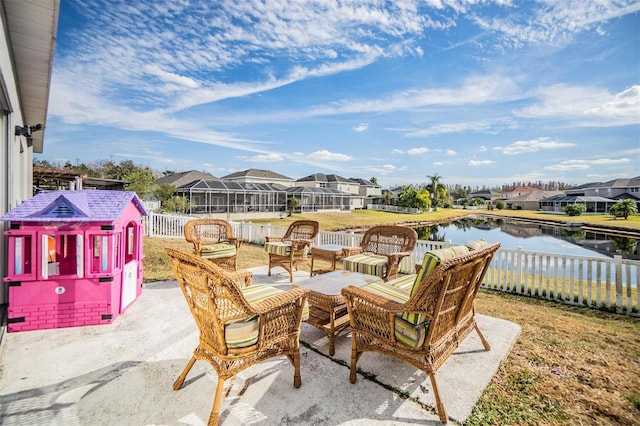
{"points": [[487, 346], [180, 380], [355, 356], [297, 379], [215, 411], [442, 413]]}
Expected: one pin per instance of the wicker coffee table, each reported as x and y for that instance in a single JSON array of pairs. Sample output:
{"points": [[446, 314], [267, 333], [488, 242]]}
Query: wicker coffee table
{"points": [[327, 309]]}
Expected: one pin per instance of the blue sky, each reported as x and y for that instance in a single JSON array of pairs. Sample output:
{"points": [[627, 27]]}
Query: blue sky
{"points": [[478, 92]]}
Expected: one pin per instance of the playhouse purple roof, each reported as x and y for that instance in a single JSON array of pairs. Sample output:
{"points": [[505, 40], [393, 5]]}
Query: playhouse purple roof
{"points": [[88, 205]]}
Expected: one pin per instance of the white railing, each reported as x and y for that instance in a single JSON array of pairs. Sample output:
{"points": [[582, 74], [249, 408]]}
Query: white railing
{"points": [[602, 283]]}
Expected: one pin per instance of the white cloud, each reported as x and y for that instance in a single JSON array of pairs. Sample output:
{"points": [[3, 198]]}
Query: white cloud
{"points": [[361, 127], [585, 106], [482, 126], [624, 108], [171, 77], [329, 156], [473, 163], [586, 164], [397, 151], [266, 158], [450, 152], [521, 147], [420, 150]]}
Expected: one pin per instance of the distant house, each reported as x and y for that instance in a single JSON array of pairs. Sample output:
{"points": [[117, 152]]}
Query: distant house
{"points": [[215, 195], [517, 192], [183, 178], [597, 196], [259, 176], [347, 188], [485, 194], [529, 200], [371, 191]]}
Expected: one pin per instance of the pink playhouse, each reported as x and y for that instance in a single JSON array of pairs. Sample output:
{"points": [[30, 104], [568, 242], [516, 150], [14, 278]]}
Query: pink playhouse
{"points": [[74, 258]]}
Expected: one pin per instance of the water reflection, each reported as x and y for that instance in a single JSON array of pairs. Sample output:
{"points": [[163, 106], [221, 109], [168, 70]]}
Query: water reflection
{"points": [[533, 237]]}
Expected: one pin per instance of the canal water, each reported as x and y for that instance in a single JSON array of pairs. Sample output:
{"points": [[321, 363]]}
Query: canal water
{"points": [[534, 237]]}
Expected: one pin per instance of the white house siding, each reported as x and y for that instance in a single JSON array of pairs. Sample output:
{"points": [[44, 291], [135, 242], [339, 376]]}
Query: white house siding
{"points": [[15, 168], [28, 60]]}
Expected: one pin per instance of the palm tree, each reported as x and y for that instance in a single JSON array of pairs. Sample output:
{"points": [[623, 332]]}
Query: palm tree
{"points": [[624, 208], [434, 186]]}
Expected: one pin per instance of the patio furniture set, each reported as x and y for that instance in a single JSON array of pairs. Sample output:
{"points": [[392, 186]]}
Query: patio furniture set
{"points": [[419, 319]]}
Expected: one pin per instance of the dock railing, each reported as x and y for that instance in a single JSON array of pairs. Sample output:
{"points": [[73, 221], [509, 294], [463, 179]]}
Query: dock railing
{"points": [[609, 284]]}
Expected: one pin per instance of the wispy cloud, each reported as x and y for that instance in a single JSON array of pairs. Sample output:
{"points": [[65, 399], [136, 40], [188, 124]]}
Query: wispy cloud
{"points": [[329, 156], [420, 150], [266, 158], [474, 163], [361, 127], [522, 147], [586, 106], [586, 164]]}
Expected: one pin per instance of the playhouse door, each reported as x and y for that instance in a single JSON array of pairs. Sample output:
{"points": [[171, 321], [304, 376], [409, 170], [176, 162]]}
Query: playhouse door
{"points": [[129, 284]]}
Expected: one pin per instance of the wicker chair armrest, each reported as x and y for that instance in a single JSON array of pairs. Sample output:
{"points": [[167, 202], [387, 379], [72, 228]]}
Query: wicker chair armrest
{"points": [[241, 277], [277, 301], [280, 316], [236, 241], [350, 251], [271, 239], [372, 313], [300, 243]]}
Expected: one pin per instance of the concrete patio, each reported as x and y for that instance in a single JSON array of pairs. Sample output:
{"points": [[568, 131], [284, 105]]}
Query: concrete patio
{"points": [[122, 374]]}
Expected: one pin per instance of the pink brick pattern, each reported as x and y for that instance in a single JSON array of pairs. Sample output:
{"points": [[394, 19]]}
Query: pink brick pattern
{"points": [[42, 317]]}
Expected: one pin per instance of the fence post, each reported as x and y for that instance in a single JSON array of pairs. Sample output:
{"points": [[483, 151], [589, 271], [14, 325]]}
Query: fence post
{"points": [[617, 262], [519, 268]]}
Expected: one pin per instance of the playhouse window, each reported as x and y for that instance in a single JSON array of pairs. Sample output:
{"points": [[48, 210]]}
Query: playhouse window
{"points": [[20, 249], [101, 249], [130, 243], [61, 254]]}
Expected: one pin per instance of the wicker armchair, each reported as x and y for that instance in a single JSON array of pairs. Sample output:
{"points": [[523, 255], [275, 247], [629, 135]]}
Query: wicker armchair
{"points": [[381, 250], [293, 247], [213, 239], [239, 325], [425, 324]]}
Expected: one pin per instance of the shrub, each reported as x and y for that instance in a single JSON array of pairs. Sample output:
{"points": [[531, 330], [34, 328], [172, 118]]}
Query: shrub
{"points": [[499, 204], [575, 209]]}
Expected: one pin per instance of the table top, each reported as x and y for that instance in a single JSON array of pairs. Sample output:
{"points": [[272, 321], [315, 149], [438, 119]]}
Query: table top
{"points": [[329, 247], [332, 283]]}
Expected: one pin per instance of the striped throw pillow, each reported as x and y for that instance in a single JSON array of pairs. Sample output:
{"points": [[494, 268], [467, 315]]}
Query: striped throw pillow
{"points": [[430, 261], [409, 334], [476, 244]]}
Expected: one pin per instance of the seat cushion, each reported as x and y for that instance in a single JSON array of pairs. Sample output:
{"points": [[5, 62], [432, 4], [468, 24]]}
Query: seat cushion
{"points": [[390, 292], [409, 334], [214, 251], [367, 263], [278, 248], [403, 282], [244, 332]]}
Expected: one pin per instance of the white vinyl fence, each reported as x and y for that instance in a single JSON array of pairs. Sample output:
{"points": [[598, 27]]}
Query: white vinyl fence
{"points": [[601, 283]]}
